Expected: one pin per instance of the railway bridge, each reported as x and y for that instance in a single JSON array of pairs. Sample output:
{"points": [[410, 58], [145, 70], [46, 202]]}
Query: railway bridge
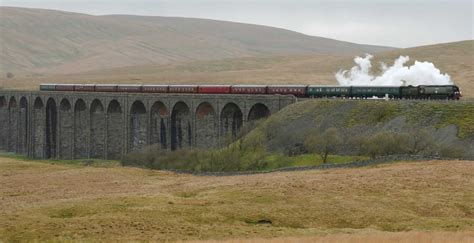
{"points": [[72, 125]]}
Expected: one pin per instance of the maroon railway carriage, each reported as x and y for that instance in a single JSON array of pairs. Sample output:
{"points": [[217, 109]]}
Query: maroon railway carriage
{"points": [[159, 88], [248, 89], [84, 87], [129, 88], [106, 88], [296, 90], [214, 89], [183, 89]]}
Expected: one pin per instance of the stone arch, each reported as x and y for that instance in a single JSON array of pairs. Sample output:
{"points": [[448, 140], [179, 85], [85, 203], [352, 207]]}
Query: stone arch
{"points": [[12, 124], [231, 120], [80, 129], [158, 124], [206, 126], [97, 130], [114, 130], [181, 130], [66, 125], [51, 129], [3, 123], [38, 128], [138, 126], [258, 111], [23, 126]]}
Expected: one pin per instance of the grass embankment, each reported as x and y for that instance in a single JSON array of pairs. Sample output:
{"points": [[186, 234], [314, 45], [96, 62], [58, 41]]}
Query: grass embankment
{"points": [[51, 202], [362, 119]]}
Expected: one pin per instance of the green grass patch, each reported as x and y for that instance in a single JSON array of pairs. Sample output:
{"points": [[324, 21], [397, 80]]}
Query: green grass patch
{"points": [[78, 162], [445, 114], [276, 161], [372, 112]]}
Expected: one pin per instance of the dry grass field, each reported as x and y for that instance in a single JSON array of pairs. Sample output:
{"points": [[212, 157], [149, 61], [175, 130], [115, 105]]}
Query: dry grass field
{"points": [[456, 59], [428, 201]]}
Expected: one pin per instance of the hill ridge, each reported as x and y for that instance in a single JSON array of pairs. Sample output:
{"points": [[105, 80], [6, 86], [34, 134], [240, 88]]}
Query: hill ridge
{"points": [[53, 41]]}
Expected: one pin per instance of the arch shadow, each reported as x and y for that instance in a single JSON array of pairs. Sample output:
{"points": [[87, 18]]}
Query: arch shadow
{"points": [[181, 129], [257, 112], [231, 120], [158, 124], [51, 129]]}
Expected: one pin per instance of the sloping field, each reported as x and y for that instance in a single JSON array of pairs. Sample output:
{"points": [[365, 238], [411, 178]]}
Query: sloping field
{"points": [[449, 124], [35, 40], [456, 59], [58, 202]]}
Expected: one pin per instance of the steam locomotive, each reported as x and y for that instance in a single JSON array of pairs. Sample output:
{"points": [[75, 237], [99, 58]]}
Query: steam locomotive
{"points": [[304, 91]]}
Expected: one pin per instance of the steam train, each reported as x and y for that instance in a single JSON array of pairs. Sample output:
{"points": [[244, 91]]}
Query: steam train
{"points": [[303, 91]]}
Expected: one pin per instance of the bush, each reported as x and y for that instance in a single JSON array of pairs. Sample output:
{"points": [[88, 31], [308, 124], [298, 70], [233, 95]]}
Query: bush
{"points": [[449, 151], [415, 142], [248, 153], [386, 143], [421, 142], [329, 142]]}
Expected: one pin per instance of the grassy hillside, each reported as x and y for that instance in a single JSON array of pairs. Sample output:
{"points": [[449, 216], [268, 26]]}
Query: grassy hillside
{"points": [[35, 40], [450, 124], [48, 202], [456, 59]]}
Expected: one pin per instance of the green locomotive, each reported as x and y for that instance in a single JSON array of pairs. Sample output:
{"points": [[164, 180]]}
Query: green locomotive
{"points": [[391, 92]]}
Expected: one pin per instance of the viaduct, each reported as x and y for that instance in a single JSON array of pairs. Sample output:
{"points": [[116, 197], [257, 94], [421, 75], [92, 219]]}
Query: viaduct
{"points": [[70, 125]]}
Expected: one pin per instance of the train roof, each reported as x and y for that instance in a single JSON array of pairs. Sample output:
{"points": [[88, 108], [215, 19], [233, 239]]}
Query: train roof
{"points": [[155, 85], [249, 85], [288, 85], [215, 85], [183, 85], [328, 85]]}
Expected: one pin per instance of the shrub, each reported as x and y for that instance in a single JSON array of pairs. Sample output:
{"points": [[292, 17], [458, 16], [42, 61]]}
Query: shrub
{"points": [[421, 141], [329, 142], [248, 153], [450, 151], [386, 143]]}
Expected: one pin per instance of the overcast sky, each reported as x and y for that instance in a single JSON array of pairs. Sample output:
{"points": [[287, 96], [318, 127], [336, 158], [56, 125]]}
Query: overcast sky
{"points": [[398, 23]]}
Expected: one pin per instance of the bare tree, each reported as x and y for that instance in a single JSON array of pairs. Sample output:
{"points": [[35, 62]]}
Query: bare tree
{"points": [[329, 142], [421, 141]]}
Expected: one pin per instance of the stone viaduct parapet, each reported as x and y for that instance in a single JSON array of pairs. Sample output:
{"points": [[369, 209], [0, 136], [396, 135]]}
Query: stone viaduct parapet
{"points": [[70, 125]]}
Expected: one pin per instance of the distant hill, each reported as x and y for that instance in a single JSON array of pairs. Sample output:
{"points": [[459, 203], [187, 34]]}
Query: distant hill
{"points": [[34, 40]]}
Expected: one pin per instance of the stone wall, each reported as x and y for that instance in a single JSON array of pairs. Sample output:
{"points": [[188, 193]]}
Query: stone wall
{"points": [[109, 125]]}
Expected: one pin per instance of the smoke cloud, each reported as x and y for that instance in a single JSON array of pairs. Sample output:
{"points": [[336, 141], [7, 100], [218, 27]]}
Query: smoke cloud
{"points": [[420, 73]]}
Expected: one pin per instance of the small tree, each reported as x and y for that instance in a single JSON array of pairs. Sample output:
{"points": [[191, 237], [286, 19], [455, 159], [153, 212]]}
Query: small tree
{"points": [[329, 142], [421, 142]]}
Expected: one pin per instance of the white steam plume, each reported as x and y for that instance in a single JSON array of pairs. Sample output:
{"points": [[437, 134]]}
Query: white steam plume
{"points": [[420, 73]]}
